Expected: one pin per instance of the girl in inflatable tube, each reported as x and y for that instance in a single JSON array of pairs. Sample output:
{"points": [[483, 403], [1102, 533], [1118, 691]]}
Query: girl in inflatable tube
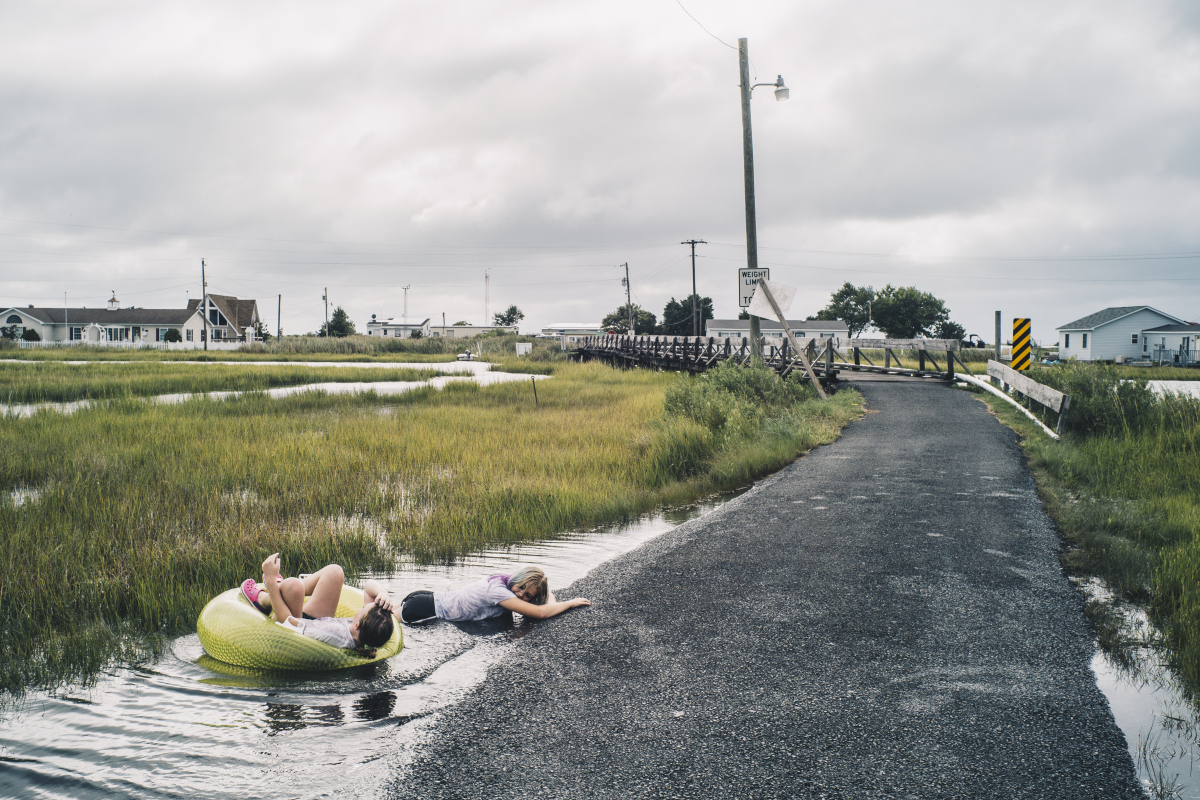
{"points": [[526, 592], [369, 628]]}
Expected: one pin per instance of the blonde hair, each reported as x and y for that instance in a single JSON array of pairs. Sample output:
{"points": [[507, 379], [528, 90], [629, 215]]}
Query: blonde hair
{"points": [[534, 581]]}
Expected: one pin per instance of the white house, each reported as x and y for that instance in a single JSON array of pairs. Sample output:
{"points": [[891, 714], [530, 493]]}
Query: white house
{"points": [[573, 331], [112, 325], [803, 328], [1176, 344], [467, 331], [1114, 333], [392, 329]]}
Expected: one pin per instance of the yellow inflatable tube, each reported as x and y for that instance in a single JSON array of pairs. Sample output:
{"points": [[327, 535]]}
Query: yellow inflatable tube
{"points": [[233, 631]]}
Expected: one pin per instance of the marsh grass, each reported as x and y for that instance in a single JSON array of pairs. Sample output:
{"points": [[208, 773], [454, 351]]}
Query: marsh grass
{"points": [[1124, 487], [59, 383], [135, 515]]}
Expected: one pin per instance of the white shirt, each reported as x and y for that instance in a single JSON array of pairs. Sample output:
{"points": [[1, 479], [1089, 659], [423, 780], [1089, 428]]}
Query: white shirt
{"points": [[478, 600]]}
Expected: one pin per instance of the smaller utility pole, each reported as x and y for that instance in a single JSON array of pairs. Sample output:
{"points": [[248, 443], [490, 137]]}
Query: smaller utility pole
{"points": [[487, 296], [628, 301], [66, 322], [406, 288], [279, 318], [325, 297], [695, 320], [204, 305]]}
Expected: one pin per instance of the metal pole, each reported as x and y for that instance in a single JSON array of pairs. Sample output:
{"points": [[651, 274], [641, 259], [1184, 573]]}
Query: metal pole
{"points": [[325, 297], [279, 319], [66, 322], [628, 301], [997, 336], [748, 165], [204, 303]]}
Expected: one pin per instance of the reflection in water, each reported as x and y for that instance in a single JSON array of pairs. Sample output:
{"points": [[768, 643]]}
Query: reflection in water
{"points": [[193, 726], [1159, 716]]}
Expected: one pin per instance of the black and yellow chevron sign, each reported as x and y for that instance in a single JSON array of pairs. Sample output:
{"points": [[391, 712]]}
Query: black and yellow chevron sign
{"points": [[1020, 346]]}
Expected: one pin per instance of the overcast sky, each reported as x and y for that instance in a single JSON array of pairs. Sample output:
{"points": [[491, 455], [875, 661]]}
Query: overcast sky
{"points": [[1037, 158]]}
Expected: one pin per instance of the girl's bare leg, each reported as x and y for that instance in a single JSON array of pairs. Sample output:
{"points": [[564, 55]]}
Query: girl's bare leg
{"points": [[323, 589], [291, 591]]}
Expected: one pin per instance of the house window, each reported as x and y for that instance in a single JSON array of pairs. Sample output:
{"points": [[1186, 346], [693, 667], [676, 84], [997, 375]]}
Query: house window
{"points": [[1066, 340], [13, 319], [189, 334], [385, 331], [1085, 341], [1133, 339], [1145, 345]]}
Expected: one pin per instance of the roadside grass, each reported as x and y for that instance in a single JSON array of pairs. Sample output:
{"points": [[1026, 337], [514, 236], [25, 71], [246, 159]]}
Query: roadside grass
{"points": [[124, 520], [1124, 488], [48, 382]]}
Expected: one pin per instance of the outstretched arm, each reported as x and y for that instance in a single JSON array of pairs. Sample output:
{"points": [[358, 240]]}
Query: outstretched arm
{"points": [[543, 612], [270, 572]]}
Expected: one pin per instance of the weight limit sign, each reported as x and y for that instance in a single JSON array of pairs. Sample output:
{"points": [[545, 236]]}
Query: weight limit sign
{"points": [[1020, 346]]}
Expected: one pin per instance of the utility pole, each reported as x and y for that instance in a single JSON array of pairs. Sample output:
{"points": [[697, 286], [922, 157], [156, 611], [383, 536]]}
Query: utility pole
{"points": [[204, 303], [748, 167], [279, 319], [325, 297], [628, 301], [695, 320], [406, 288], [487, 295], [66, 322]]}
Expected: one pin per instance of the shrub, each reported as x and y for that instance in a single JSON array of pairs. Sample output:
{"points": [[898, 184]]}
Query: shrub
{"points": [[31, 335]]}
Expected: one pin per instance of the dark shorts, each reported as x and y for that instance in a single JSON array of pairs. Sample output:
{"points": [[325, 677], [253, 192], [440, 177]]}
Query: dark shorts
{"points": [[306, 615], [417, 607]]}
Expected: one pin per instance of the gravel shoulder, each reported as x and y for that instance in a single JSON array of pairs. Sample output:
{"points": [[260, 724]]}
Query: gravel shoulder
{"points": [[886, 617]]}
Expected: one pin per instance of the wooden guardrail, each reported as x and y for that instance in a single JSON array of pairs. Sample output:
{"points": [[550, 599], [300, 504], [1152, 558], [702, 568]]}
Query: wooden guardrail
{"points": [[825, 356], [1050, 398]]}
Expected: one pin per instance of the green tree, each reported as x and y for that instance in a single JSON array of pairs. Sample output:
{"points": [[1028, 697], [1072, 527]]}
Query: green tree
{"points": [[261, 331], [9, 332], [172, 335], [677, 315], [743, 314], [510, 316], [908, 313], [31, 335], [852, 305], [460, 322], [643, 321], [950, 330], [340, 324]]}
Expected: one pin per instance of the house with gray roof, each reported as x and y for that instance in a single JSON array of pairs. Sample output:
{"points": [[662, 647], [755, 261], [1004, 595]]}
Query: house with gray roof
{"points": [[1175, 344], [1110, 335], [803, 328], [116, 326]]}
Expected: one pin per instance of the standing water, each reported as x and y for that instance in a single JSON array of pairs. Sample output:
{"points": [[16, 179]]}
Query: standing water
{"points": [[190, 726]]}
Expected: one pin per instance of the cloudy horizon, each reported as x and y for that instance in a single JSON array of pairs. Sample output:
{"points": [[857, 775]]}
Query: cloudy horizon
{"points": [[1036, 160]]}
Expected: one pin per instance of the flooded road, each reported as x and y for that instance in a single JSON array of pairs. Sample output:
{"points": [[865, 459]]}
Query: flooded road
{"points": [[189, 726]]}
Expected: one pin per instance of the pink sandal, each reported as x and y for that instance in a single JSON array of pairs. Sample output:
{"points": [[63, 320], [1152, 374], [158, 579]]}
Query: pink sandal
{"points": [[250, 591]]}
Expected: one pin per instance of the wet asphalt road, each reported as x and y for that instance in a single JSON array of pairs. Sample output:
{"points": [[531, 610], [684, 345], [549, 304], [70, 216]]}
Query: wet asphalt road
{"points": [[885, 618]]}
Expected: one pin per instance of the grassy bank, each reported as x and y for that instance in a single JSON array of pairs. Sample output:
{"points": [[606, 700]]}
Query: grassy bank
{"points": [[129, 517], [1124, 487], [22, 382]]}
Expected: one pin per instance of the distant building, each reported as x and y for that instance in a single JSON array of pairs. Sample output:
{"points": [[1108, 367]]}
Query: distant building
{"points": [[111, 325], [1111, 334], [803, 328], [573, 331], [467, 331], [230, 318], [392, 329]]}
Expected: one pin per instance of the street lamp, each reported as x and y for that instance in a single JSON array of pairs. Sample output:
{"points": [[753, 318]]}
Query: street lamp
{"points": [[781, 93]]}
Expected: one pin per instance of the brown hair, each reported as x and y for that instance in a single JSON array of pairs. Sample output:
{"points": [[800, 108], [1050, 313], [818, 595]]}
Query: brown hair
{"points": [[375, 628]]}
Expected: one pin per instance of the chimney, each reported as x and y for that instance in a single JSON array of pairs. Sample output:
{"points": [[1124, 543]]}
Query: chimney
{"points": [[31, 305]]}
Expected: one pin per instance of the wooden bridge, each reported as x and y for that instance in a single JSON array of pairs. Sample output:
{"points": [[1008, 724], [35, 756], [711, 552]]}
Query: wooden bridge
{"points": [[827, 356]]}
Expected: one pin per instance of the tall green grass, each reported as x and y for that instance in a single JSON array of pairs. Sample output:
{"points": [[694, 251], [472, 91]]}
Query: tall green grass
{"points": [[130, 517], [22, 382], [1124, 486]]}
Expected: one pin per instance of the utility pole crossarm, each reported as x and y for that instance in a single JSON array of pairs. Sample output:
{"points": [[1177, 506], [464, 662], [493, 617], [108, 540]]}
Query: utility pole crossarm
{"points": [[762, 287], [695, 321]]}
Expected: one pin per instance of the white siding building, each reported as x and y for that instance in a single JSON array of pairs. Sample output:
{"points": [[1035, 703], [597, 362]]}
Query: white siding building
{"points": [[1176, 344], [108, 326], [467, 331], [573, 331], [392, 329], [1111, 334], [803, 328]]}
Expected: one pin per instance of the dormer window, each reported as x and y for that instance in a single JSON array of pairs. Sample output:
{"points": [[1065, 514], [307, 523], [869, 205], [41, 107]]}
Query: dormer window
{"points": [[13, 319]]}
